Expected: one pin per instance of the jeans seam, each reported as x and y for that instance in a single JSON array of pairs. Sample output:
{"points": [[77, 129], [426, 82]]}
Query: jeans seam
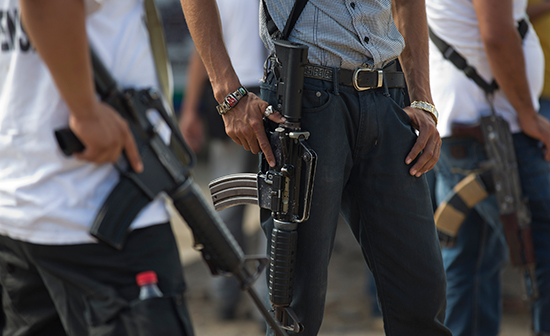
{"points": [[379, 278], [379, 288]]}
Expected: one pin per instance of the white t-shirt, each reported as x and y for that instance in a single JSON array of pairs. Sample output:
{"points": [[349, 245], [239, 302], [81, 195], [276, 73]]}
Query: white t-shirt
{"points": [[457, 97], [45, 197], [240, 22]]}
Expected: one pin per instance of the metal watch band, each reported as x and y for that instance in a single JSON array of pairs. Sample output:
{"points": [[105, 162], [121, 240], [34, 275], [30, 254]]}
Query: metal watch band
{"points": [[430, 108], [231, 100]]}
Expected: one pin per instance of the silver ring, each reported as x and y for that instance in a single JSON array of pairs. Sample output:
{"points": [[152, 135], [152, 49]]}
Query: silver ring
{"points": [[268, 111]]}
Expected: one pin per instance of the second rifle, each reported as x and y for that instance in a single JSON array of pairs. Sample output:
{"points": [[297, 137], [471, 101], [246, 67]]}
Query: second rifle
{"points": [[498, 175]]}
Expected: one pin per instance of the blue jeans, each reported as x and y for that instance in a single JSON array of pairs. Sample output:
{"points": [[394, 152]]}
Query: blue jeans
{"points": [[474, 264], [362, 139]]}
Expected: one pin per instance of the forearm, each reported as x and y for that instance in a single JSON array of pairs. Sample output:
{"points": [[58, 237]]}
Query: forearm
{"points": [[410, 19], [512, 80], [538, 10], [204, 23], [503, 46], [58, 32]]}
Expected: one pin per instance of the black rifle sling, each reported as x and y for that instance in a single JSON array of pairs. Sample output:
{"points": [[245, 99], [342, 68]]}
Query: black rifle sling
{"points": [[293, 18], [297, 9], [460, 62]]}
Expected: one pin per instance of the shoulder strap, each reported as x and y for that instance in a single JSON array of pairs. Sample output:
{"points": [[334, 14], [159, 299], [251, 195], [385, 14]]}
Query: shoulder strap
{"points": [[460, 62], [293, 17], [158, 47]]}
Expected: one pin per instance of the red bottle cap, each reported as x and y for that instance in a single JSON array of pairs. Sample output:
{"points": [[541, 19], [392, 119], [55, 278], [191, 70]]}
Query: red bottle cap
{"points": [[147, 277]]}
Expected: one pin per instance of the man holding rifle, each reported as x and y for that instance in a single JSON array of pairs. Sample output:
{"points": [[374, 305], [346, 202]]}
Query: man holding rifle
{"points": [[370, 160], [56, 278], [499, 86]]}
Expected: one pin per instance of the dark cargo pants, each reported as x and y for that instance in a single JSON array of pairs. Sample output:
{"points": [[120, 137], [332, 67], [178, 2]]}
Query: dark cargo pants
{"points": [[90, 289]]}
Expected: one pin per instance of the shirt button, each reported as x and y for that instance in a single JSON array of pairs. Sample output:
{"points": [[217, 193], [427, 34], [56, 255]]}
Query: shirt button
{"points": [[352, 5], [366, 39]]}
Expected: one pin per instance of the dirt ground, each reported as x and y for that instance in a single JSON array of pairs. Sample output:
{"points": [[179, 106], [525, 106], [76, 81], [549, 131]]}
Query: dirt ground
{"points": [[347, 311]]}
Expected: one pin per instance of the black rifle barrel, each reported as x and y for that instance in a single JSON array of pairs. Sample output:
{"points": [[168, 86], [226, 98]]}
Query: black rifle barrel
{"points": [[217, 243]]}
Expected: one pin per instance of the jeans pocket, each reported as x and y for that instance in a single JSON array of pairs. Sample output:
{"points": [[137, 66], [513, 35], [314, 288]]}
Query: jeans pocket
{"points": [[401, 115], [315, 100]]}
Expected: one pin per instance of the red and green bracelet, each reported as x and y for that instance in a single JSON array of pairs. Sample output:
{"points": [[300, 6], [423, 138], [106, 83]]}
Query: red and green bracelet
{"points": [[231, 100]]}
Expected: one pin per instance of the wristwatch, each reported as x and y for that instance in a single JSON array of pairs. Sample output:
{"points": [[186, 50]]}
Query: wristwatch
{"points": [[430, 108]]}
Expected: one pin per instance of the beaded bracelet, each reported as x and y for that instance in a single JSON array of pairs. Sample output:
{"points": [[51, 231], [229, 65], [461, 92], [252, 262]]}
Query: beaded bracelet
{"points": [[231, 100]]}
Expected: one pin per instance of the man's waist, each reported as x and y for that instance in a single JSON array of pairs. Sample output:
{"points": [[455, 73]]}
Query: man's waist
{"points": [[360, 78]]}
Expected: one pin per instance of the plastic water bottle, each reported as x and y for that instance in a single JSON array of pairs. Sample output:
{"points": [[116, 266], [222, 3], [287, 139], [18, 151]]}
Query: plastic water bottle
{"points": [[147, 281]]}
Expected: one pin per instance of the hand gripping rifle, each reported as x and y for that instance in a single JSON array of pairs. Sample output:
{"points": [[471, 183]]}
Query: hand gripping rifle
{"points": [[167, 163], [285, 189], [499, 176]]}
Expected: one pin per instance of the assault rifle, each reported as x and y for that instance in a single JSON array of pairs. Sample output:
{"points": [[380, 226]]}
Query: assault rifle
{"points": [[499, 176], [167, 162], [284, 189]]}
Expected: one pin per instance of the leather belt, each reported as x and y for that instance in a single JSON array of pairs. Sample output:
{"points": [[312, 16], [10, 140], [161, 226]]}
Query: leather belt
{"points": [[361, 79]]}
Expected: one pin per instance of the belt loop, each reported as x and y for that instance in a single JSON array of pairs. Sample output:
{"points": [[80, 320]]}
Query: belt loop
{"points": [[385, 84], [335, 80]]}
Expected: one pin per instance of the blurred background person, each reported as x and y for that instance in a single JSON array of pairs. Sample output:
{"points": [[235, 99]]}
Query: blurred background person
{"points": [[486, 34], [201, 125], [56, 278], [539, 15]]}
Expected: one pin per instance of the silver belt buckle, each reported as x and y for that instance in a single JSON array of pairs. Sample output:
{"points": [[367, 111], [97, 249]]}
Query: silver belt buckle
{"points": [[363, 88]]}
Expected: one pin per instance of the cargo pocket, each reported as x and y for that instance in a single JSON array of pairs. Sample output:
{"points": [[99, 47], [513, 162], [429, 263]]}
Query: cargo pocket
{"points": [[166, 315]]}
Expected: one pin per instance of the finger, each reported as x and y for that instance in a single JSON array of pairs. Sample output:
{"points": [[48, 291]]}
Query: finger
{"points": [[237, 141], [419, 145], [132, 153], [92, 155], [417, 169], [424, 164], [432, 152], [277, 117], [265, 147], [85, 156], [254, 146], [244, 143]]}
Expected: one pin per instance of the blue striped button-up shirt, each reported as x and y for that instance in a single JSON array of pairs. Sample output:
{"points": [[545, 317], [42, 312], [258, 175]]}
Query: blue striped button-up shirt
{"points": [[340, 33]]}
